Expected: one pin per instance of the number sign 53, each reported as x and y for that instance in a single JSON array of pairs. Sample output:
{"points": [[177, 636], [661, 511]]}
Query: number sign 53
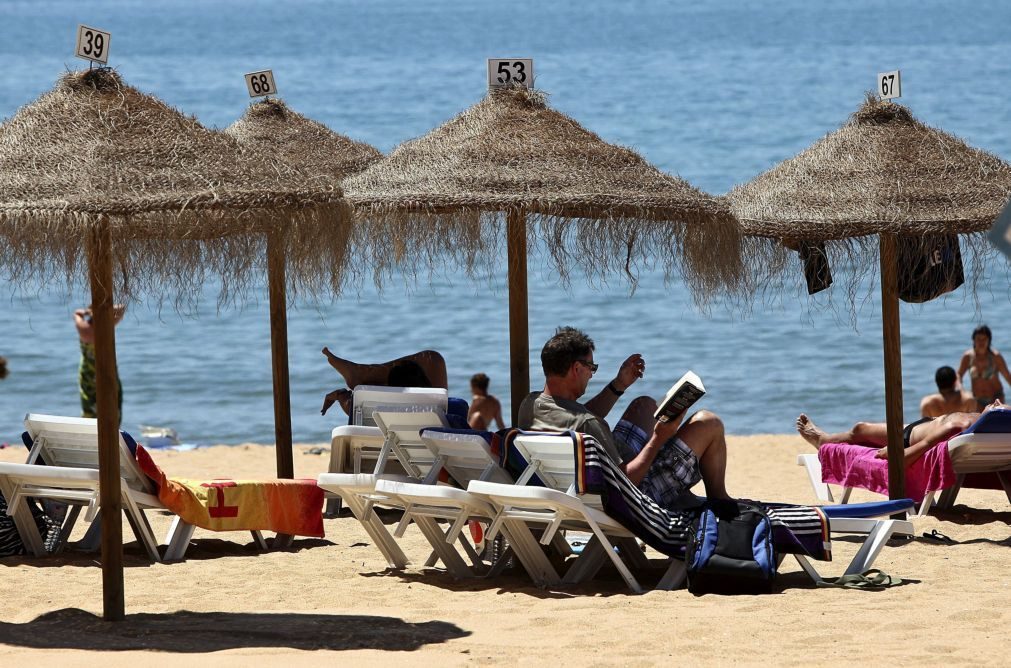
{"points": [[510, 72], [260, 83], [889, 85], [92, 44]]}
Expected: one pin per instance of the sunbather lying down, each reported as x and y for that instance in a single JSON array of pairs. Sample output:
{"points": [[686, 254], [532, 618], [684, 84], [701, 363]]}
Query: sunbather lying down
{"points": [[917, 437], [426, 368]]}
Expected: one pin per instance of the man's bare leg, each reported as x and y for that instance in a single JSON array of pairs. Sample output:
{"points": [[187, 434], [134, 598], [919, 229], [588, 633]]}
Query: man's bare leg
{"points": [[355, 374], [640, 413], [704, 434], [341, 394], [870, 434]]}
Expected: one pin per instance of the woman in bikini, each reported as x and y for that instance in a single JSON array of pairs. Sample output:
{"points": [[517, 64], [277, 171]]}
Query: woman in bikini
{"points": [[426, 368], [984, 364]]}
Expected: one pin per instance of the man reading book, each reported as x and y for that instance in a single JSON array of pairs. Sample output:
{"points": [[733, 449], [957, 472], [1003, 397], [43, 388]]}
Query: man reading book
{"points": [[664, 459]]}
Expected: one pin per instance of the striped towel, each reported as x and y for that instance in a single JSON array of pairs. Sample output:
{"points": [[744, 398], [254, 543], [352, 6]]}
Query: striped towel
{"points": [[795, 529]]}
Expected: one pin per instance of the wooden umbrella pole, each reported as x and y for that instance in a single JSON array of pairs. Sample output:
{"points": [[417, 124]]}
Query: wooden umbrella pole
{"points": [[893, 365], [277, 287], [519, 333], [103, 322]]}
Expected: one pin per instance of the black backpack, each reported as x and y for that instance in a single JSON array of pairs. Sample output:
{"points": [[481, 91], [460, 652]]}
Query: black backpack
{"points": [[730, 550]]}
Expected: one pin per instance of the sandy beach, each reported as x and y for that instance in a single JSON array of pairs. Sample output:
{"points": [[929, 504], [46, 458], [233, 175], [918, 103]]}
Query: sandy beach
{"points": [[333, 600]]}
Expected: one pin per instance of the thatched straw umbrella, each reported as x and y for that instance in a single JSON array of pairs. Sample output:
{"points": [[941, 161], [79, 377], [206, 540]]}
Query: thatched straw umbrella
{"points": [[596, 204], [99, 176], [326, 158], [882, 176]]}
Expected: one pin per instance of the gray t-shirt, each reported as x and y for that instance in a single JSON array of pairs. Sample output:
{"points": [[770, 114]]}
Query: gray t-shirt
{"points": [[542, 412]]}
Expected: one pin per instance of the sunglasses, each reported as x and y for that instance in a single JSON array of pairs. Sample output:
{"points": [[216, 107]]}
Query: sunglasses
{"points": [[589, 365]]}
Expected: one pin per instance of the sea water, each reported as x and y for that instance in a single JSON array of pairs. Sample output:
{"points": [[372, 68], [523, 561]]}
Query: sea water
{"points": [[713, 91]]}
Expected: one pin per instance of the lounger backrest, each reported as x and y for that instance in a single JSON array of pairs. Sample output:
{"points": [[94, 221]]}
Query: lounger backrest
{"points": [[73, 442], [554, 458], [366, 398], [406, 423], [467, 456], [985, 446]]}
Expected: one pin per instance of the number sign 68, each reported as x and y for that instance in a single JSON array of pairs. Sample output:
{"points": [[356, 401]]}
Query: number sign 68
{"points": [[260, 83], [92, 44], [889, 85], [510, 72]]}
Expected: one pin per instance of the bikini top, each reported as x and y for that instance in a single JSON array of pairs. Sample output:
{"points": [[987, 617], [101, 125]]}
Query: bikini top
{"points": [[989, 372]]}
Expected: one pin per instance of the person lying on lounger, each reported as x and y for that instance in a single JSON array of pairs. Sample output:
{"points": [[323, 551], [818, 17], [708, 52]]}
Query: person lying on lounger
{"points": [[426, 368], [917, 437]]}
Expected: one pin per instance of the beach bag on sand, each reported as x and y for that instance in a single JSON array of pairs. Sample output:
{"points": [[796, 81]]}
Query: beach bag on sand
{"points": [[730, 550], [10, 539]]}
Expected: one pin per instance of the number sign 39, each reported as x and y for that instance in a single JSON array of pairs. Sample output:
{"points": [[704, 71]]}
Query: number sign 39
{"points": [[889, 85], [510, 72], [260, 83], [92, 44]]}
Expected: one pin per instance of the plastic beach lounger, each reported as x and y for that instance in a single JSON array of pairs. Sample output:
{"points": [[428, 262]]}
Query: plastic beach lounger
{"points": [[983, 448], [69, 448]]}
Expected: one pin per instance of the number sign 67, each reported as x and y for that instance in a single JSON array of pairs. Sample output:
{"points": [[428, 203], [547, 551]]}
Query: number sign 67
{"points": [[889, 85], [260, 83], [92, 44], [510, 72]]}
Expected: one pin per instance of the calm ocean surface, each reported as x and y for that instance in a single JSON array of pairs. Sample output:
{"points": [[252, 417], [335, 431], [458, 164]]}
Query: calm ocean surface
{"points": [[714, 91]]}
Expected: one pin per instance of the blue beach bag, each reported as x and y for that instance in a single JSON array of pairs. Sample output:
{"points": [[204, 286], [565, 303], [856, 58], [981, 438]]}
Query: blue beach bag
{"points": [[730, 550]]}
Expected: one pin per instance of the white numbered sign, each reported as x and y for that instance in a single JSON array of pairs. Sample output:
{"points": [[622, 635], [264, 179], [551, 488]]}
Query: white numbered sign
{"points": [[260, 83], [93, 44], [889, 85], [510, 72]]}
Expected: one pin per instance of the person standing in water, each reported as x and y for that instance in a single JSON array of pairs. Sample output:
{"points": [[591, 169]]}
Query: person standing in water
{"points": [[484, 408], [984, 364], [947, 399], [86, 372]]}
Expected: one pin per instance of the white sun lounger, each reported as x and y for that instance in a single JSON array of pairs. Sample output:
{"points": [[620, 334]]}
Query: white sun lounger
{"points": [[551, 458], [355, 447], [400, 423], [466, 457], [985, 447], [69, 446], [556, 506]]}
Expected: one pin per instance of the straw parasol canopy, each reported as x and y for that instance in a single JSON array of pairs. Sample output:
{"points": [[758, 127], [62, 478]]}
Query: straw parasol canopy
{"points": [[101, 180], [595, 205], [512, 153], [180, 200], [883, 184], [884, 171], [326, 156]]}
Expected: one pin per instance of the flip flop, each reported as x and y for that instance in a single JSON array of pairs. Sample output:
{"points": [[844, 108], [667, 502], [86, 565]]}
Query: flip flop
{"points": [[938, 537], [872, 579]]}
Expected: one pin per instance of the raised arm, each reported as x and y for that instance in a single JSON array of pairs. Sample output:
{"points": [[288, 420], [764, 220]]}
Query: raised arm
{"points": [[1002, 366], [631, 370], [963, 366]]}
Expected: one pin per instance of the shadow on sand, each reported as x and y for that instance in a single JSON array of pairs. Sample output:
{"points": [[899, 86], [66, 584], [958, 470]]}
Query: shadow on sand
{"points": [[192, 632]]}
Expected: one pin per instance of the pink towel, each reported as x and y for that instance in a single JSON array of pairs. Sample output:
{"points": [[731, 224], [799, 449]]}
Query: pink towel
{"points": [[851, 465]]}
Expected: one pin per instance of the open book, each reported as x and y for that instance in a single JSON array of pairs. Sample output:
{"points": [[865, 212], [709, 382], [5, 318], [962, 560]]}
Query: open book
{"points": [[680, 397]]}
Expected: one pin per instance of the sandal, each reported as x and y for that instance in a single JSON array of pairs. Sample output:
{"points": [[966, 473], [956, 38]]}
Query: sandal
{"points": [[872, 579], [939, 537]]}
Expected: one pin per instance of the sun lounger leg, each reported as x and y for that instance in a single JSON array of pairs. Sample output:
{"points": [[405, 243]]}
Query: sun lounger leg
{"points": [[632, 553], [448, 555], [846, 495], [68, 527], [178, 539], [587, 564], [626, 574], [947, 499], [808, 568], [475, 558], [928, 501], [674, 577], [141, 527], [813, 468], [395, 557], [260, 541], [529, 552], [24, 522], [1005, 482]]}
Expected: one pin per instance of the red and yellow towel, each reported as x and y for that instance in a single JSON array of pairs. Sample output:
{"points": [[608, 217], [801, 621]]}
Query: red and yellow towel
{"points": [[293, 507]]}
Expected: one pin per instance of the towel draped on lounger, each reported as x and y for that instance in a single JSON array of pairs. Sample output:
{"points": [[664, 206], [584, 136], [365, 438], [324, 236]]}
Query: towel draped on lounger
{"points": [[796, 529], [293, 507]]}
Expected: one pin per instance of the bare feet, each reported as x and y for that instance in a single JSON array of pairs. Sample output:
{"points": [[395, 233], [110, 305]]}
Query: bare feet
{"points": [[342, 395], [810, 431]]}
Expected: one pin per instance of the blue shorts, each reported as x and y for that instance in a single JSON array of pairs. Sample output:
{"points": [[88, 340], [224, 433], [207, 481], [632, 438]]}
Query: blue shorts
{"points": [[674, 471]]}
